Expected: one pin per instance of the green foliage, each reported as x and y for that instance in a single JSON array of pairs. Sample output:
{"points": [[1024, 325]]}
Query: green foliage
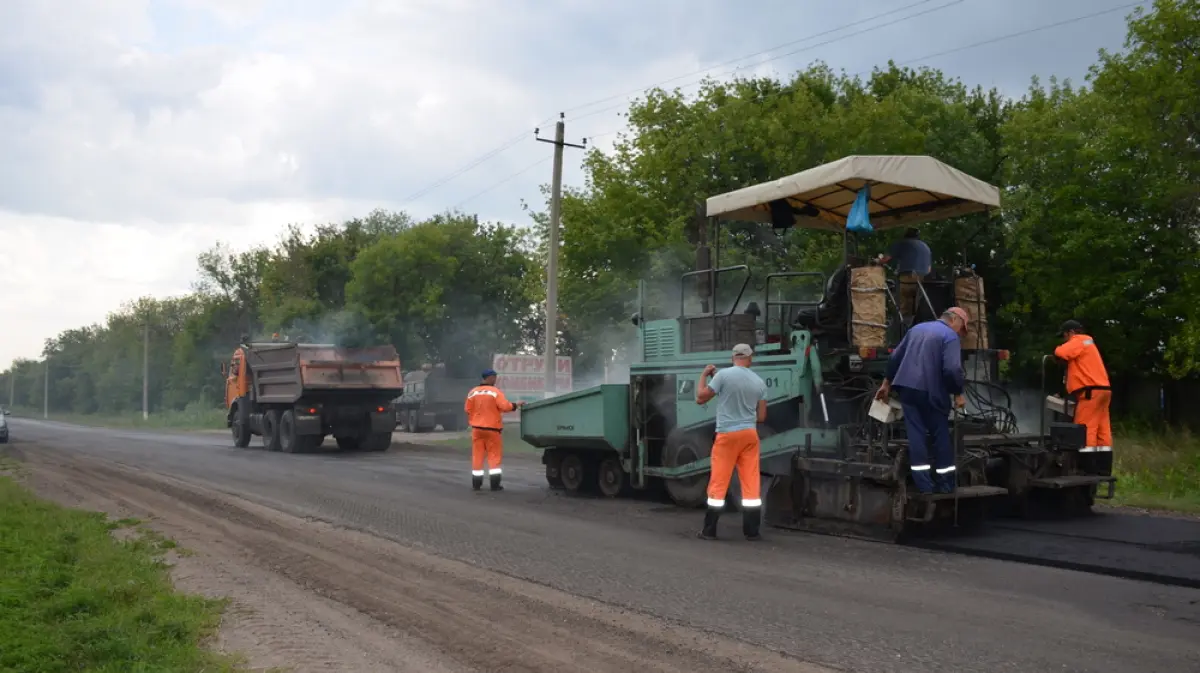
{"points": [[73, 598], [1100, 224], [1103, 211], [633, 219], [452, 289], [448, 289]]}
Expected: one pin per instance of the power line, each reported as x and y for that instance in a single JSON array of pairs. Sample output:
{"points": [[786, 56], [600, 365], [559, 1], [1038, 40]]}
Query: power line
{"points": [[516, 139], [767, 51], [955, 50], [506, 145], [791, 53], [513, 176]]}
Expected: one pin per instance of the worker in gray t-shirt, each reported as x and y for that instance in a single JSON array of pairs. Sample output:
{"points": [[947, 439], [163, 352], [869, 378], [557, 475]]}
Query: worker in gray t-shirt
{"points": [[741, 405], [914, 260]]}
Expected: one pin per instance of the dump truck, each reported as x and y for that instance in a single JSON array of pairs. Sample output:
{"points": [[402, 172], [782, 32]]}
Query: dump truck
{"points": [[821, 345], [432, 398], [294, 395]]}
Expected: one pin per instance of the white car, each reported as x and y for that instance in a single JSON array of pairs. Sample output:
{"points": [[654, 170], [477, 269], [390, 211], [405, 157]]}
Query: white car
{"points": [[4, 426]]}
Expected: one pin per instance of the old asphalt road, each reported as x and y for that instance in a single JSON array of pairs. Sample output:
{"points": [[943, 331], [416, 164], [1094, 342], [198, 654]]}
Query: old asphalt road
{"points": [[441, 578]]}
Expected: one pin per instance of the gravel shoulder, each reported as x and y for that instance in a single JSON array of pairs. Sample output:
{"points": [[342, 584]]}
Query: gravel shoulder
{"points": [[530, 579], [310, 596]]}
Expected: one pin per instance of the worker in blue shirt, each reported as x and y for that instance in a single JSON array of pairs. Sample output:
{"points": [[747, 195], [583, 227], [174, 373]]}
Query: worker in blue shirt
{"points": [[926, 369], [914, 261]]}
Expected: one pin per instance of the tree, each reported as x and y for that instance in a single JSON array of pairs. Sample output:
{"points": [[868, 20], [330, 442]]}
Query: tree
{"points": [[634, 217], [450, 290], [1104, 200]]}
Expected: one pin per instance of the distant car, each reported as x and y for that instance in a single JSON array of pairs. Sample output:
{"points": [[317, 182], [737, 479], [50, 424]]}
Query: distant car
{"points": [[4, 426]]}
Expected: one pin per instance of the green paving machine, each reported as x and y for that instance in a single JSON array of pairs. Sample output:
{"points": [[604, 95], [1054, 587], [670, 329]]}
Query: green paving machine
{"points": [[829, 462]]}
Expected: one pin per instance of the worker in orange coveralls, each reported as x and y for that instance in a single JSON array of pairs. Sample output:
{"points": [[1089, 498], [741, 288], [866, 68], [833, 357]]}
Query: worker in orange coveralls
{"points": [[485, 405], [1087, 382], [741, 406]]}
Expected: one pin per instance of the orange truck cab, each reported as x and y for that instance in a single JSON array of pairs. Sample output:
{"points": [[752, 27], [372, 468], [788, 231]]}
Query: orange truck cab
{"points": [[294, 395]]}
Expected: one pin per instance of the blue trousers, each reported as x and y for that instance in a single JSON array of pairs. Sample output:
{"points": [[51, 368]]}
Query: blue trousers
{"points": [[925, 422]]}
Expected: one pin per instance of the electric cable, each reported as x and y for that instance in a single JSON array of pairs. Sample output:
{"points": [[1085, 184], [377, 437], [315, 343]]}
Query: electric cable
{"points": [[926, 57], [528, 168], [516, 139], [464, 169], [758, 53]]}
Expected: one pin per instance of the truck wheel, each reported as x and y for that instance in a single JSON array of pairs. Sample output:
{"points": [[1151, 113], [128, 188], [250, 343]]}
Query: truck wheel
{"points": [[381, 441], [271, 430], [412, 421], [289, 441], [240, 427], [684, 447], [348, 443]]}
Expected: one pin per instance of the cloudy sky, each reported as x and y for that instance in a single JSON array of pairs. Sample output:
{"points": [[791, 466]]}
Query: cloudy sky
{"points": [[135, 134]]}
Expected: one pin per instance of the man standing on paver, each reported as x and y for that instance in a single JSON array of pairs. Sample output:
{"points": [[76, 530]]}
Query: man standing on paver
{"points": [[914, 261], [741, 406], [485, 407], [926, 369], [1087, 382]]}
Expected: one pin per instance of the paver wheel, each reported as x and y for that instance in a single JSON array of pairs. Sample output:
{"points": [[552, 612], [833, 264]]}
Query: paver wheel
{"points": [[271, 430], [553, 460], [685, 447], [573, 472], [612, 478]]}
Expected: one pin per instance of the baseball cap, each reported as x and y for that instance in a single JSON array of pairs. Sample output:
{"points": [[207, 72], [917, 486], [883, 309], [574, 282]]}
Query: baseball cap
{"points": [[743, 350], [487, 372], [962, 314], [1070, 325]]}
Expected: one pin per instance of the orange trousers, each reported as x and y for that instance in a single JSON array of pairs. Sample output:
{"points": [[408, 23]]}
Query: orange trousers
{"points": [[735, 449], [1093, 413], [487, 444]]}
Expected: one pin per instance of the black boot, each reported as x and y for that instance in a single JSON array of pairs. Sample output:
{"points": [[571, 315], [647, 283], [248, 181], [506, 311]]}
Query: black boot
{"points": [[709, 532], [751, 521], [476, 483], [495, 482]]}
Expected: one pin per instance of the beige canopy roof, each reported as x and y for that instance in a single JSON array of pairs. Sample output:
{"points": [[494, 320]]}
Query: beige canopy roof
{"points": [[905, 190]]}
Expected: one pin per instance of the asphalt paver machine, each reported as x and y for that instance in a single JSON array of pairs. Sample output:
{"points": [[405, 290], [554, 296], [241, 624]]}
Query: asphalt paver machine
{"points": [[827, 465]]}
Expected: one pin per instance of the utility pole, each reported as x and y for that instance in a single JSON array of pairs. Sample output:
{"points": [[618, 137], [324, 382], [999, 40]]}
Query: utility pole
{"points": [[46, 390], [146, 371], [12, 385], [552, 250]]}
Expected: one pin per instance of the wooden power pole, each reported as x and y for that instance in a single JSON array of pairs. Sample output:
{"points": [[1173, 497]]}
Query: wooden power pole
{"points": [[146, 371], [551, 352]]}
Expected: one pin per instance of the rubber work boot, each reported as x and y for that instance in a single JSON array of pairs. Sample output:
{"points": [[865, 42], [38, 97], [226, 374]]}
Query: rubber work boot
{"points": [[945, 483], [495, 483], [709, 532], [751, 521], [476, 483]]}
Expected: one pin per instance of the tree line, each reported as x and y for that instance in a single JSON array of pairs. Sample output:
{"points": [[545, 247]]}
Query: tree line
{"points": [[1101, 200]]}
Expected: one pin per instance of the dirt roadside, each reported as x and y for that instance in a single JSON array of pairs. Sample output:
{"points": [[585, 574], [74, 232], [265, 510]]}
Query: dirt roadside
{"points": [[308, 596]]}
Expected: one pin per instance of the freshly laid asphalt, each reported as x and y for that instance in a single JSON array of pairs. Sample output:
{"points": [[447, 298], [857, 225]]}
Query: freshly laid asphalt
{"points": [[848, 604]]}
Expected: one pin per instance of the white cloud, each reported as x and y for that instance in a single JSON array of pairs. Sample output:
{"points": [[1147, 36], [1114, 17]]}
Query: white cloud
{"points": [[140, 132]]}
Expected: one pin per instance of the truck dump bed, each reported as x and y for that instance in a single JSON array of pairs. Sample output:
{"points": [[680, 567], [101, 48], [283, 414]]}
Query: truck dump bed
{"points": [[285, 372]]}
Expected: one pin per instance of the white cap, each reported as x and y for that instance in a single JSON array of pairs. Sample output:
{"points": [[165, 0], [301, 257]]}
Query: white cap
{"points": [[743, 350]]}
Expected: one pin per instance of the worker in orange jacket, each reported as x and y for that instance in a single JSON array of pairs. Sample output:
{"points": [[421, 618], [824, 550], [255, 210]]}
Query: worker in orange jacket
{"points": [[485, 406], [1087, 382]]}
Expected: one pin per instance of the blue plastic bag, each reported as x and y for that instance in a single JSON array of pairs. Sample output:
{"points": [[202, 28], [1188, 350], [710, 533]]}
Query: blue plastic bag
{"points": [[860, 219]]}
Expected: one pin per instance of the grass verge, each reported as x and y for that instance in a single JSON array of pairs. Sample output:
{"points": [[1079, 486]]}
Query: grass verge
{"points": [[192, 418], [511, 435], [1157, 469], [75, 598]]}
